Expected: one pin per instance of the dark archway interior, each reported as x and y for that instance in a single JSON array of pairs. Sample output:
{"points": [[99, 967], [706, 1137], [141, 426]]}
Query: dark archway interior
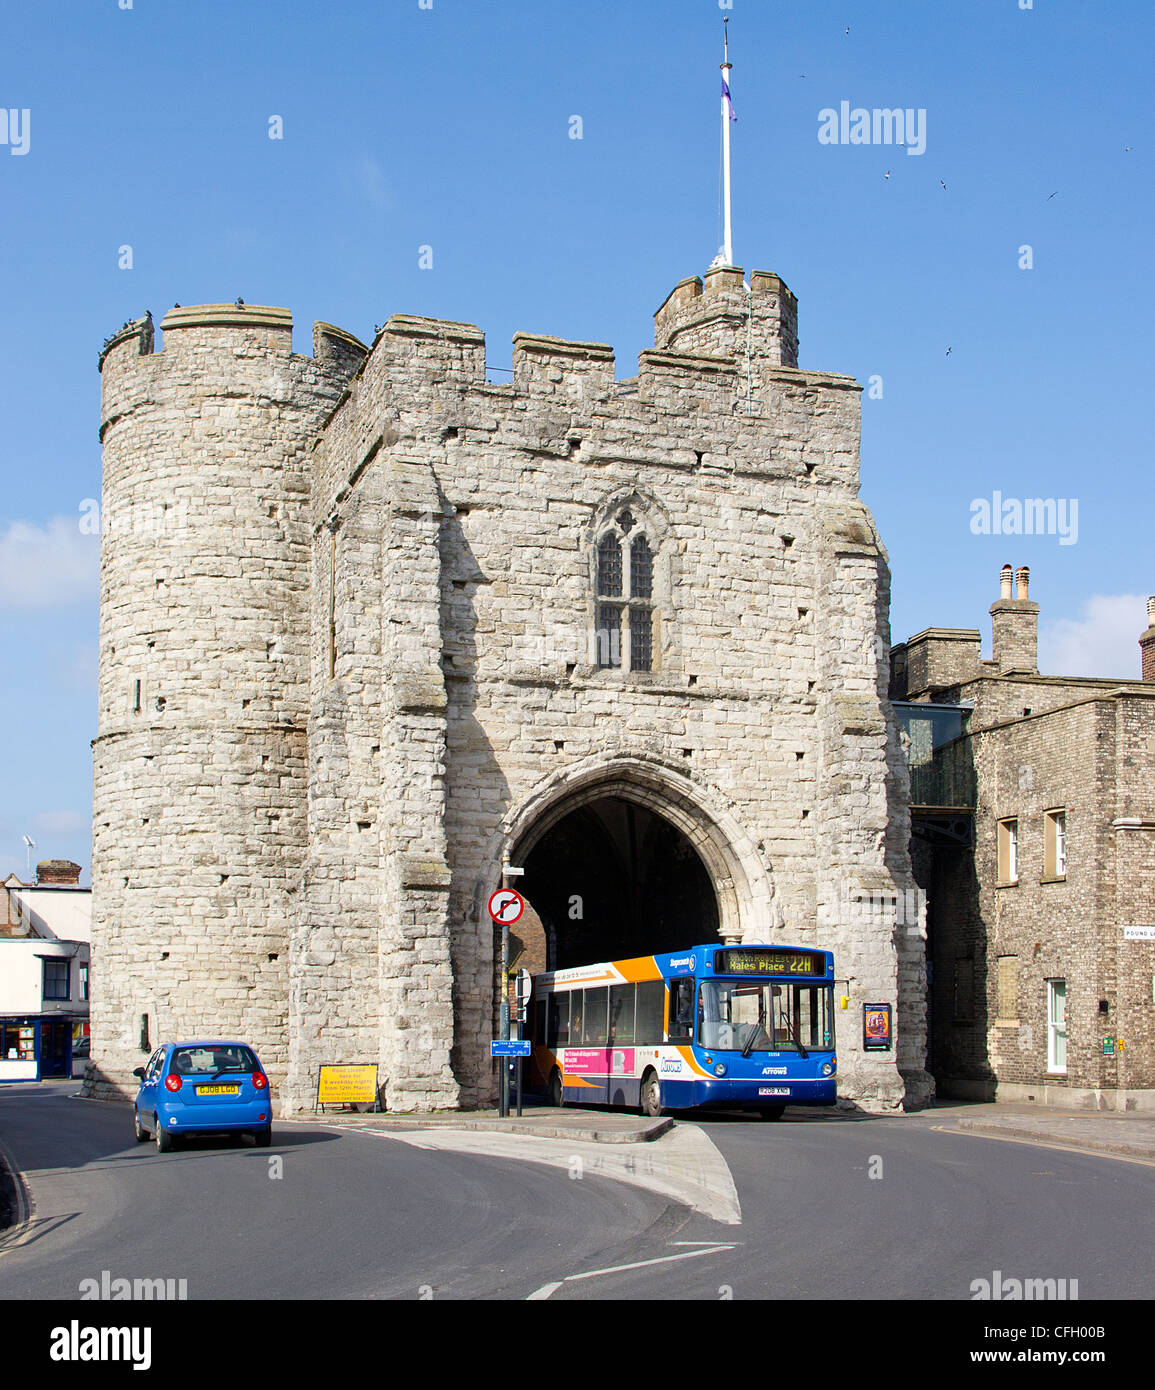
{"points": [[613, 880]]}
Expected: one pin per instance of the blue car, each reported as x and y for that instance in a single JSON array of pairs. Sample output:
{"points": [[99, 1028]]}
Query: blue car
{"points": [[202, 1088]]}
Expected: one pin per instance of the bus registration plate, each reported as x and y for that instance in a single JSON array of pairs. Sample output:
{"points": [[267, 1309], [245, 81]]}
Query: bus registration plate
{"points": [[773, 1090]]}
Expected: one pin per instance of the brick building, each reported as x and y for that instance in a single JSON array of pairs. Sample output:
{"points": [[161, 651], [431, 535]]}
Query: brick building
{"points": [[372, 624], [1033, 821]]}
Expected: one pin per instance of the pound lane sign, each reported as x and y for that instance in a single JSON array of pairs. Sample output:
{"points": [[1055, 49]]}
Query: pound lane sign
{"points": [[506, 906]]}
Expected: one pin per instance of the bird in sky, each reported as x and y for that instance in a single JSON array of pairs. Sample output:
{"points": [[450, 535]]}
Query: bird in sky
{"points": [[943, 184], [886, 175], [948, 351], [1047, 200]]}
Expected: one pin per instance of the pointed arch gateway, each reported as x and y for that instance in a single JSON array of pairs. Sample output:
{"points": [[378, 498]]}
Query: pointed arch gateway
{"points": [[626, 855]]}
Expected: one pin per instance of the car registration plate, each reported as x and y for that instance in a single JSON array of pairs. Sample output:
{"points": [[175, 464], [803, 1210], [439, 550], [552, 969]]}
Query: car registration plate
{"points": [[773, 1090], [218, 1090]]}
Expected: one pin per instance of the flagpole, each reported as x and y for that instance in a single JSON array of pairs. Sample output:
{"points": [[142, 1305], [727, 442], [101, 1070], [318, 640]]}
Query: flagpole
{"points": [[727, 106]]}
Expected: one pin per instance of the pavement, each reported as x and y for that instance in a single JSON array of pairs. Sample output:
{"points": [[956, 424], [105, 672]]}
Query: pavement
{"points": [[1121, 1134]]}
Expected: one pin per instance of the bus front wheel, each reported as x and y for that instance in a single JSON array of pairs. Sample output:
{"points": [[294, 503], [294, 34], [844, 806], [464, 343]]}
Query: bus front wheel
{"points": [[651, 1103]]}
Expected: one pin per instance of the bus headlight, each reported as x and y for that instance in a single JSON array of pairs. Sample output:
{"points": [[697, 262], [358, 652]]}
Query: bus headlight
{"points": [[827, 1068], [720, 1069]]}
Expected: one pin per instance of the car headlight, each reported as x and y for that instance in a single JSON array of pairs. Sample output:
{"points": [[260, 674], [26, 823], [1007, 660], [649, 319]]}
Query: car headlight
{"points": [[720, 1069], [827, 1068]]}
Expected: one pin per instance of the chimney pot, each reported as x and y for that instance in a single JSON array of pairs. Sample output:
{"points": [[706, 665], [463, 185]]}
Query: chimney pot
{"points": [[1015, 649]]}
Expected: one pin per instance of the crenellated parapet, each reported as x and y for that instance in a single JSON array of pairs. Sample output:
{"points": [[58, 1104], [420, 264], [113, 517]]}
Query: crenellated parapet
{"points": [[721, 316]]}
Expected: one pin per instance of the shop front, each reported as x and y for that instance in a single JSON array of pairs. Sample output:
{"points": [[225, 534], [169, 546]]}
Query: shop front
{"points": [[36, 1048]]}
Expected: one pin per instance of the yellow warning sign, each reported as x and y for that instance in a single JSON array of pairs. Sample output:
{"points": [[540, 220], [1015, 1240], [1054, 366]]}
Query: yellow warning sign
{"points": [[347, 1085]]}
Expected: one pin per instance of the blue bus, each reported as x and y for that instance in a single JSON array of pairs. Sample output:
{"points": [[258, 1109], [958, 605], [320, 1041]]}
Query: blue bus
{"points": [[749, 1027]]}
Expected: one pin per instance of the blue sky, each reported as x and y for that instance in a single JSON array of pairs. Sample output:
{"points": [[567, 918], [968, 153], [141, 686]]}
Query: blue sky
{"points": [[448, 125]]}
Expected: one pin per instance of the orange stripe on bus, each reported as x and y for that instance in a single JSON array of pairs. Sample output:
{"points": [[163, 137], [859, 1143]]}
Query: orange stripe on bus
{"points": [[688, 1057], [639, 969]]}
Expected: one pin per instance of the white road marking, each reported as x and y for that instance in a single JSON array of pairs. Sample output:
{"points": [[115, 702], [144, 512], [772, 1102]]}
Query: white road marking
{"points": [[547, 1290]]}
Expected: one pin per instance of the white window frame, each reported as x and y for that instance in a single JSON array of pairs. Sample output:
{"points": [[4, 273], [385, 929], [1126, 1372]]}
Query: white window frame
{"points": [[1055, 843], [1008, 858], [1056, 1028]]}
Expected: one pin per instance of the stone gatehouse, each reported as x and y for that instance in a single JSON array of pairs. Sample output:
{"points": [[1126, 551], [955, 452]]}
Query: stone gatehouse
{"points": [[372, 623]]}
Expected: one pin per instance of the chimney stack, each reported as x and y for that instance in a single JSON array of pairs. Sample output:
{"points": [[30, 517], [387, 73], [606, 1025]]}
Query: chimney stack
{"points": [[1015, 622], [57, 873], [1147, 643]]}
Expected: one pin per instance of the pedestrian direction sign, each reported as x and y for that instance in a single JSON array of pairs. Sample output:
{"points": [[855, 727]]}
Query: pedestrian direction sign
{"points": [[514, 1047]]}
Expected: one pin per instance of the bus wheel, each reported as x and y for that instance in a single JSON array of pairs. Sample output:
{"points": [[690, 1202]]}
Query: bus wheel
{"points": [[772, 1112], [556, 1096], [651, 1103]]}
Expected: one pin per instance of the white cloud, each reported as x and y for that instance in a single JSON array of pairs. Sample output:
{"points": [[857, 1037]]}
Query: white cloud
{"points": [[48, 566], [1104, 641], [373, 183]]}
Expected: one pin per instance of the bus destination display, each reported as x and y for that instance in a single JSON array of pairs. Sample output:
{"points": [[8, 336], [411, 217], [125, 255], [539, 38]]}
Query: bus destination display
{"points": [[755, 961]]}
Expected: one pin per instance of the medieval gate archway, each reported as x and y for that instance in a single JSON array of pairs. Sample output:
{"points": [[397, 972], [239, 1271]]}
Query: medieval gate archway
{"points": [[627, 856]]}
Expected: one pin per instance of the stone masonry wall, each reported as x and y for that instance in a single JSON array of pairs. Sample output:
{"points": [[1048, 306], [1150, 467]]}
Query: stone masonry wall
{"points": [[761, 728], [199, 761]]}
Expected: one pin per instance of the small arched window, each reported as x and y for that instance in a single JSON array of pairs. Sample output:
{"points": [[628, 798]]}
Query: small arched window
{"points": [[625, 592]]}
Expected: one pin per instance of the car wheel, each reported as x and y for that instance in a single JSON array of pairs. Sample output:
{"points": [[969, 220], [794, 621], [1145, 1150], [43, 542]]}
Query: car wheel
{"points": [[263, 1137], [651, 1102], [556, 1093], [772, 1112], [138, 1128], [164, 1141]]}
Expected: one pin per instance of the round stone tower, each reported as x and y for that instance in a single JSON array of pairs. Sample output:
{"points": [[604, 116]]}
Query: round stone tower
{"points": [[199, 790]]}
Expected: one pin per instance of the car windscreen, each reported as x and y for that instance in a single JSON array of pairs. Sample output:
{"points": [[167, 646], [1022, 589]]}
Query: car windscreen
{"points": [[197, 1060]]}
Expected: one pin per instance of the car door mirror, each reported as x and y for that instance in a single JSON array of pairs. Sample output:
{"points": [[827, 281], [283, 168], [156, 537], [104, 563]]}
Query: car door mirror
{"points": [[138, 1071]]}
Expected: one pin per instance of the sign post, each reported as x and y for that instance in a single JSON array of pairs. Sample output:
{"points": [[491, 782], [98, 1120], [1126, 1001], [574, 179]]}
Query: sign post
{"points": [[505, 907]]}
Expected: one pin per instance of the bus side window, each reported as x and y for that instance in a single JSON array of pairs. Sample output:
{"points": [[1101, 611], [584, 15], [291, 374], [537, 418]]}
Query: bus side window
{"points": [[681, 1010], [651, 1001], [621, 1015], [557, 1031], [596, 1017]]}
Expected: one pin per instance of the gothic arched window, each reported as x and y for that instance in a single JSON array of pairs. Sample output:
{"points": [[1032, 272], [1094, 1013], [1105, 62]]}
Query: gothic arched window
{"points": [[625, 591]]}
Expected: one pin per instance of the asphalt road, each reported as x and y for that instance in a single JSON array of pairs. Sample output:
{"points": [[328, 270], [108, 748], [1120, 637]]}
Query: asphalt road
{"points": [[942, 1211], [319, 1214], [887, 1209]]}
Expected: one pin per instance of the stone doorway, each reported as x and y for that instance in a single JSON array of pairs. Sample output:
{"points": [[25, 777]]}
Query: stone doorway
{"points": [[610, 878]]}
